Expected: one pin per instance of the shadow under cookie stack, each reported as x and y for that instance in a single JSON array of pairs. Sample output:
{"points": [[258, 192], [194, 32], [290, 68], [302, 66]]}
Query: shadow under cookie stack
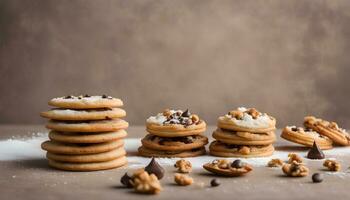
{"points": [[244, 132], [174, 133], [86, 133]]}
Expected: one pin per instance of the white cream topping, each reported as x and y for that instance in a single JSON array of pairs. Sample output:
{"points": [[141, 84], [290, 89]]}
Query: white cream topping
{"points": [[160, 118], [262, 121], [83, 99]]}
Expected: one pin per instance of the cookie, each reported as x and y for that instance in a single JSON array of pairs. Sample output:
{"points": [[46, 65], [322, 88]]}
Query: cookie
{"points": [[85, 102], [94, 166], [227, 150], [73, 137], [175, 143], [225, 168], [306, 137], [80, 149], [79, 115], [175, 123], [87, 126], [143, 151], [244, 138], [247, 120], [89, 158], [330, 129]]}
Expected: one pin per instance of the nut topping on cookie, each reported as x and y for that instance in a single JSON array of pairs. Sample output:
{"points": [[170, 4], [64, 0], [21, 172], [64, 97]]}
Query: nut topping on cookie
{"points": [[170, 117], [183, 166], [226, 168], [332, 165], [295, 169], [146, 183], [183, 180]]}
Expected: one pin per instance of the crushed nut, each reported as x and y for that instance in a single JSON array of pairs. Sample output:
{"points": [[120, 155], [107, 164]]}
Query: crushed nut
{"points": [[236, 114], [295, 169], [294, 157], [332, 165], [253, 112], [145, 183], [183, 166], [167, 112], [183, 180], [275, 163], [244, 150], [194, 118], [222, 163]]}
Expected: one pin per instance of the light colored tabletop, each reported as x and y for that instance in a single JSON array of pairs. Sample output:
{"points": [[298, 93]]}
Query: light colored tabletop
{"points": [[33, 179]]}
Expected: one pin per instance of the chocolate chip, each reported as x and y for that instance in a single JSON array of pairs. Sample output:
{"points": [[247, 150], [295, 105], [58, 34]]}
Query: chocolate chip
{"points": [[104, 96], [68, 97], [214, 182], [315, 152], [154, 168], [186, 113], [126, 180], [294, 129], [86, 95], [237, 164], [317, 178]]}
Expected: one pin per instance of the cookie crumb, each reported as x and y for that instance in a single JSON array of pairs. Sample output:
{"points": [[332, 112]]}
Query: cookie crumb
{"points": [[183, 180], [183, 166], [332, 165], [275, 163]]}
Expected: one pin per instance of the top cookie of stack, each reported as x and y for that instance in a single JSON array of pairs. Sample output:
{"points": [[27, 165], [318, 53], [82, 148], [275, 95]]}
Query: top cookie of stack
{"points": [[86, 134], [244, 132], [174, 133]]}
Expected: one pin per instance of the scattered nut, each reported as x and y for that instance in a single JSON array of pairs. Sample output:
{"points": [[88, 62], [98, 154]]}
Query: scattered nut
{"points": [[275, 163], [295, 169], [332, 165], [294, 157], [183, 166], [145, 183], [182, 179]]}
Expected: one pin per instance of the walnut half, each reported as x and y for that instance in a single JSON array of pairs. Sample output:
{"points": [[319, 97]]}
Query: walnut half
{"points": [[183, 180], [295, 169], [294, 157], [275, 163], [183, 166], [145, 183], [332, 165]]}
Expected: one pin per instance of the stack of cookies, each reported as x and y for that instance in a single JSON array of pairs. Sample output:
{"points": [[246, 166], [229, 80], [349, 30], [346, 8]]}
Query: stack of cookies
{"points": [[86, 133], [174, 133], [244, 132]]}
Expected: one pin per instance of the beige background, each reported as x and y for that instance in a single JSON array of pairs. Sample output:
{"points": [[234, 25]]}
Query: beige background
{"points": [[288, 58]]}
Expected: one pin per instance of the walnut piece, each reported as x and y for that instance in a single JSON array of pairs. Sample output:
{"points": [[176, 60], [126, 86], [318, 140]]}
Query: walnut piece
{"points": [[294, 157], [253, 112], [166, 112], [145, 183], [275, 163], [221, 164], [183, 166], [295, 169], [194, 118], [236, 114], [182, 179], [244, 150], [332, 165]]}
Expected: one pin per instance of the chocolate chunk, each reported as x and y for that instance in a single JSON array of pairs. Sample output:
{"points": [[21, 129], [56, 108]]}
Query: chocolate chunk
{"points": [[104, 96], [154, 168], [186, 113], [294, 129], [86, 95], [126, 180], [214, 182], [317, 178], [68, 97], [315, 152], [237, 164]]}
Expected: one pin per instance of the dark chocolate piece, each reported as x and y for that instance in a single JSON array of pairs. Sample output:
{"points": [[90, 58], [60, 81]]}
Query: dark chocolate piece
{"points": [[317, 178], [214, 182], [237, 164], [126, 180], [104, 96], [154, 168], [186, 113], [315, 152]]}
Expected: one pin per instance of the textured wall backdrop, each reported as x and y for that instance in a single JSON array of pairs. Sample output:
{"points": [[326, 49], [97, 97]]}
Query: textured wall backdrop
{"points": [[288, 58]]}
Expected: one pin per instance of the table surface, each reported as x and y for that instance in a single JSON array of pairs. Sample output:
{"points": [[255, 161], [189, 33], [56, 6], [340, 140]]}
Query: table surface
{"points": [[33, 179]]}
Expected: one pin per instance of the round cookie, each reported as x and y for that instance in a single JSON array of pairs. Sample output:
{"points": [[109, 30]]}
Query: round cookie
{"points": [[306, 137], [224, 168], [85, 102], [329, 129], [143, 151], [225, 150], [89, 166], [79, 115], [73, 137], [175, 123], [80, 149], [87, 126], [247, 120], [244, 138], [89, 158], [175, 143]]}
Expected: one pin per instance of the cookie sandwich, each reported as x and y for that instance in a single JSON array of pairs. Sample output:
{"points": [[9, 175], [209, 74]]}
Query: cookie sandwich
{"points": [[86, 133], [244, 132], [174, 133]]}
